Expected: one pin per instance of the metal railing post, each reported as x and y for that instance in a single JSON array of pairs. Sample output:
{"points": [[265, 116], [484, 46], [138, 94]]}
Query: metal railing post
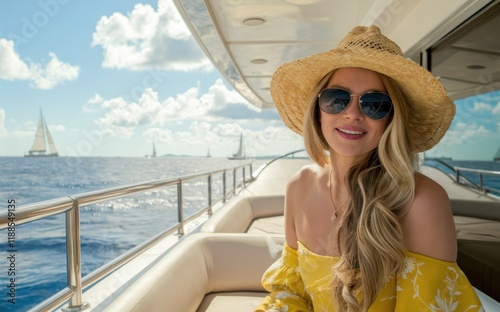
{"points": [[234, 181], [458, 175], [224, 187], [180, 210], [481, 182], [244, 176], [209, 195], [73, 258]]}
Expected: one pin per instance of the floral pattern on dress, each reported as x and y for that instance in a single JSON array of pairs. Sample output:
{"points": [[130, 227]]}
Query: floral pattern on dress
{"points": [[301, 281], [447, 294]]}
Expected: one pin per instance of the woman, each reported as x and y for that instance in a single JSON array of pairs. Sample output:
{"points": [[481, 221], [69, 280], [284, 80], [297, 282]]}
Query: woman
{"points": [[363, 230]]}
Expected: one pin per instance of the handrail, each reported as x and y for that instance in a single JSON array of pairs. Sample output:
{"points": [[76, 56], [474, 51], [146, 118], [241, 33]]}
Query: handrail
{"points": [[481, 172], [261, 168], [461, 179], [71, 206]]}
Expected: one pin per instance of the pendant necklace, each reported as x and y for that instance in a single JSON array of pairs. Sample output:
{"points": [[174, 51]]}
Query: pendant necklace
{"points": [[334, 216]]}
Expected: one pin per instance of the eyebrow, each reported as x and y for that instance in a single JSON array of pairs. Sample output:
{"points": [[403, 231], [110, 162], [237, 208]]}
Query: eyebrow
{"points": [[352, 93]]}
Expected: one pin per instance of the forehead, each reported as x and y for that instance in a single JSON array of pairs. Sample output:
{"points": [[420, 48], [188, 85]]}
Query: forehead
{"points": [[356, 79]]}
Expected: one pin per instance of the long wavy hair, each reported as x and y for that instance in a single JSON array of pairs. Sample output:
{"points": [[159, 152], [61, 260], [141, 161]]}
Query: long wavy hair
{"points": [[380, 185]]}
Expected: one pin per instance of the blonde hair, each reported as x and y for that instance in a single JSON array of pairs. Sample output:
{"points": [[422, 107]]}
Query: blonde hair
{"points": [[380, 185]]}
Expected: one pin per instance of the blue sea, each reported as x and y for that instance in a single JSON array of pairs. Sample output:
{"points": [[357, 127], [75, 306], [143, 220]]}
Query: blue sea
{"points": [[110, 228]]}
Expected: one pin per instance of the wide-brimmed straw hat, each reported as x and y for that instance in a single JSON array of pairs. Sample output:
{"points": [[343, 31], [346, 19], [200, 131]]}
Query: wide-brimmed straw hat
{"points": [[431, 109]]}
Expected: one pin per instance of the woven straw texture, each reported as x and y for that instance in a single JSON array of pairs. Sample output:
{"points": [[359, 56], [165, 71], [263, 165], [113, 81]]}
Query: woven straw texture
{"points": [[431, 109]]}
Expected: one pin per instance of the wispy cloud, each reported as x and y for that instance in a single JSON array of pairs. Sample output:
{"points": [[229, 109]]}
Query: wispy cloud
{"points": [[463, 132], [223, 135], [146, 38], [42, 76], [482, 107], [3, 130], [121, 117]]}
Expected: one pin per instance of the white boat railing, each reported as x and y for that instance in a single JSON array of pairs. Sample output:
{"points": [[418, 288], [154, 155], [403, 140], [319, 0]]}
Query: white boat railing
{"points": [[71, 206], [480, 186], [456, 173]]}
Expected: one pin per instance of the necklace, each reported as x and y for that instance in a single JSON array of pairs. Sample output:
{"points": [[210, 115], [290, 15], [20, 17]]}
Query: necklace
{"points": [[334, 216]]}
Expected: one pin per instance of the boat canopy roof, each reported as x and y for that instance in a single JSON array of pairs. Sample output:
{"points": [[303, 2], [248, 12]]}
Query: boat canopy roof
{"points": [[248, 40]]}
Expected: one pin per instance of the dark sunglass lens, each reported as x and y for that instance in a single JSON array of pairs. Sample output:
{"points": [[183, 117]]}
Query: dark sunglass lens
{"points": [[334, 101], [376, 105]]}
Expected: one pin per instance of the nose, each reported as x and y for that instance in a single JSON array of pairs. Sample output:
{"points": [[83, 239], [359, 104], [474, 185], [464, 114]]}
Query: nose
{"points": [[353, 111]]}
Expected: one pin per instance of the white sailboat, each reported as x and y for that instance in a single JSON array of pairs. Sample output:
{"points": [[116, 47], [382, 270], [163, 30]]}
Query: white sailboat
{"points": [[154, 152], [497, 155], [42, 137], [240, 154]]}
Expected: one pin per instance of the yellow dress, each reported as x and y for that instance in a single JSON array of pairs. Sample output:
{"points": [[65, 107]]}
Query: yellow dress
{"points": [[301, 281]]}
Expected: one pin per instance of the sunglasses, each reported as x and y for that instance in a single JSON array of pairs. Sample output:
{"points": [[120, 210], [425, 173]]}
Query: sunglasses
{"points": [[375, 105]]}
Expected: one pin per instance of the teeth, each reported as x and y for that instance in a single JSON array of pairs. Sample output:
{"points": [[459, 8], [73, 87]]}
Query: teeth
{"points": [[350, 132]]}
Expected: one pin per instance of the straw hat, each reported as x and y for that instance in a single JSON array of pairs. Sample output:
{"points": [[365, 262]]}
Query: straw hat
{"points": [[431, 111]]}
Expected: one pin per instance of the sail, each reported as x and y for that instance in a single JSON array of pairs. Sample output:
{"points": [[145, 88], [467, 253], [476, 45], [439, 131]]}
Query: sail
{"points": [[52, 146], [39, 144], [497, 155], [240, 154]]}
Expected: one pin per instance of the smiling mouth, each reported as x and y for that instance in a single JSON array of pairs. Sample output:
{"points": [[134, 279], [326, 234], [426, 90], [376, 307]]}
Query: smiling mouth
{"points": [[350, 131]]}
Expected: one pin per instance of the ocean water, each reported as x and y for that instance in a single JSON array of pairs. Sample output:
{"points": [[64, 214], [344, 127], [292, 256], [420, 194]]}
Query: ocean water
{"points": [[110, 228]]}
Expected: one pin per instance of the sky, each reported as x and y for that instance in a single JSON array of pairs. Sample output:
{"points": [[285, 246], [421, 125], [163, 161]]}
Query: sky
{"points": [[112, 77]]}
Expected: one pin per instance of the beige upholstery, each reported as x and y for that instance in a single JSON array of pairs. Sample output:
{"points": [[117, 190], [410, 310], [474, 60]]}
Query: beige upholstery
{"points": [[238, 215], [231, 301], [203, 264]]}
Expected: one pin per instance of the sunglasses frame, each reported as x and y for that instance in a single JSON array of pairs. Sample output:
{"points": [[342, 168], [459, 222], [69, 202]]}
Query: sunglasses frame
{"points": [[359, 101]]}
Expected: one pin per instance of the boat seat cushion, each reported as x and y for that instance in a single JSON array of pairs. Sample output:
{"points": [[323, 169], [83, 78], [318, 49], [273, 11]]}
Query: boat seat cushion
{"points": [[231, 301], [201, 264], [237, 216]]}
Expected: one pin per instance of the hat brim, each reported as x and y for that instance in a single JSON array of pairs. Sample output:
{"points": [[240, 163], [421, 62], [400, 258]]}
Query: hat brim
{"points": [[431, 109]]}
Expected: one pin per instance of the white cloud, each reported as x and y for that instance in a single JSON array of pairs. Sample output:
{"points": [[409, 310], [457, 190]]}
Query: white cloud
{"points": [[57, 128], [11, 65], [44, 77], [480, 106], [3, 130], [496, 109], [463, 132], [149, 39], [92, 103], [151, 111], [224, 137]]}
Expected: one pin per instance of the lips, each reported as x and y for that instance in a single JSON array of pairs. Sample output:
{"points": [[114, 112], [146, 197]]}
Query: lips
{"points": [[351, 133]]}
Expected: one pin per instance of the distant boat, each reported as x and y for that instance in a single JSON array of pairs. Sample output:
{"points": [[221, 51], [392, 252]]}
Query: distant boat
{"points": [[497, 155], [42, 138], [154, 152], [240, 154], [208, 154]]}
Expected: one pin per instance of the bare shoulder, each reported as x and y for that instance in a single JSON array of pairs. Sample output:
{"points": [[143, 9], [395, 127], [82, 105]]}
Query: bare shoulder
{"points": [[305, 176], [429, 228]]}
